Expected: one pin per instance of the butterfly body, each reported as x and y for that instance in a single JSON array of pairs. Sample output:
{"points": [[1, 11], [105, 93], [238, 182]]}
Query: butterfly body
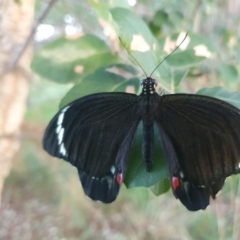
{"points": [[200, 139]]}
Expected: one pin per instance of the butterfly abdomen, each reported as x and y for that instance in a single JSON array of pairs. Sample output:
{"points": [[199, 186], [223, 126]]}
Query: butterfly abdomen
{"points": [[148, 116], [148, 144]]}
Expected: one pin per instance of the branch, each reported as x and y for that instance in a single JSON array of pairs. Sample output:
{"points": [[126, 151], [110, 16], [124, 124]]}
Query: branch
{"points": [[22, 49]]}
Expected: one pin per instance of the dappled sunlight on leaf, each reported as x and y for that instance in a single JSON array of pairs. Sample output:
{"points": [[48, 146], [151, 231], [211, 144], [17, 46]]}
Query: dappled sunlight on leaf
{"points": [[201, 50], [139, 44]]}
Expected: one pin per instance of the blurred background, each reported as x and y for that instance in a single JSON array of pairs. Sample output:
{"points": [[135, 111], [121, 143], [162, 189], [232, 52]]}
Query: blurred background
{"points": [[52, 52]]}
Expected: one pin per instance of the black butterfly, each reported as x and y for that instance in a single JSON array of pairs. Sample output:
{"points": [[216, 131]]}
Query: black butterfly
{"points": [[200, 137]]}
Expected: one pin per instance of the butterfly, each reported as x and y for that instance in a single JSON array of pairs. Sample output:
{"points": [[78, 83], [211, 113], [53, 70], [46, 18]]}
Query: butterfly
{"points": [[200, 138]]}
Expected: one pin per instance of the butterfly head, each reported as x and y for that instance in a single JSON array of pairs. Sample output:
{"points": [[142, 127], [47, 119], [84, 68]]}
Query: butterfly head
{"points": [[148, 86]]}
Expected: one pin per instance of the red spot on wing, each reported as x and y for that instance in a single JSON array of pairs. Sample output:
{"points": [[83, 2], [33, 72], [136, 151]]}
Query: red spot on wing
{"points": [[175, 183], [119, 178]]}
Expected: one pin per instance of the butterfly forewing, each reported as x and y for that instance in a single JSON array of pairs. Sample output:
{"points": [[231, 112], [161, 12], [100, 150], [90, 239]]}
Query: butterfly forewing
{"points": [[95, 134], [204, 134]]}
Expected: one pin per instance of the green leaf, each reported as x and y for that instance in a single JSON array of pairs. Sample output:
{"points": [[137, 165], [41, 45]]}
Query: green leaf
{"points": [[229, 74], [119, 3], [156, 30], [160, 187], [136, 175], [101, 8], [133, 83], [177, 76], [100, 81], [104, 6], [196, 40], [147, 61], [66, 60], [124, 67], [130, 24], [132, 27], [170, 77], [186, 58], [222, 94], [64, 49], [160, 17], [176, 17], [165, 76]]}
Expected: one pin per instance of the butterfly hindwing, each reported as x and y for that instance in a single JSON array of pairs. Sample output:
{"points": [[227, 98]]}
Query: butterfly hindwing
{"points": [[94, 134], [194, 198], [201, 139]]}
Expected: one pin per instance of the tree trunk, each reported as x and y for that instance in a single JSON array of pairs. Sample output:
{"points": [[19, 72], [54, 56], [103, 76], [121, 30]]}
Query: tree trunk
{"points": [[16, 19]]}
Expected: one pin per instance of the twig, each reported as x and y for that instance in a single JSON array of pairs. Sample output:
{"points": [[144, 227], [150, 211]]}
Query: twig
{"points": [[20, 52]]}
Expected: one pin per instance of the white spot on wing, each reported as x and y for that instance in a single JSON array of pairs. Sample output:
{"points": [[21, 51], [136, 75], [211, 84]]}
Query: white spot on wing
{"points": [[60, 136], [238, 165], [113, 169], [65, 109], [58, 129], [63, 150], [60, 118]]}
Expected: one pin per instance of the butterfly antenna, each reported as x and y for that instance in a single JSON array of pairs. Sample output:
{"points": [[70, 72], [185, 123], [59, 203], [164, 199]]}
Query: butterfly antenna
{"points": [[168, 55], [132, 57]]}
